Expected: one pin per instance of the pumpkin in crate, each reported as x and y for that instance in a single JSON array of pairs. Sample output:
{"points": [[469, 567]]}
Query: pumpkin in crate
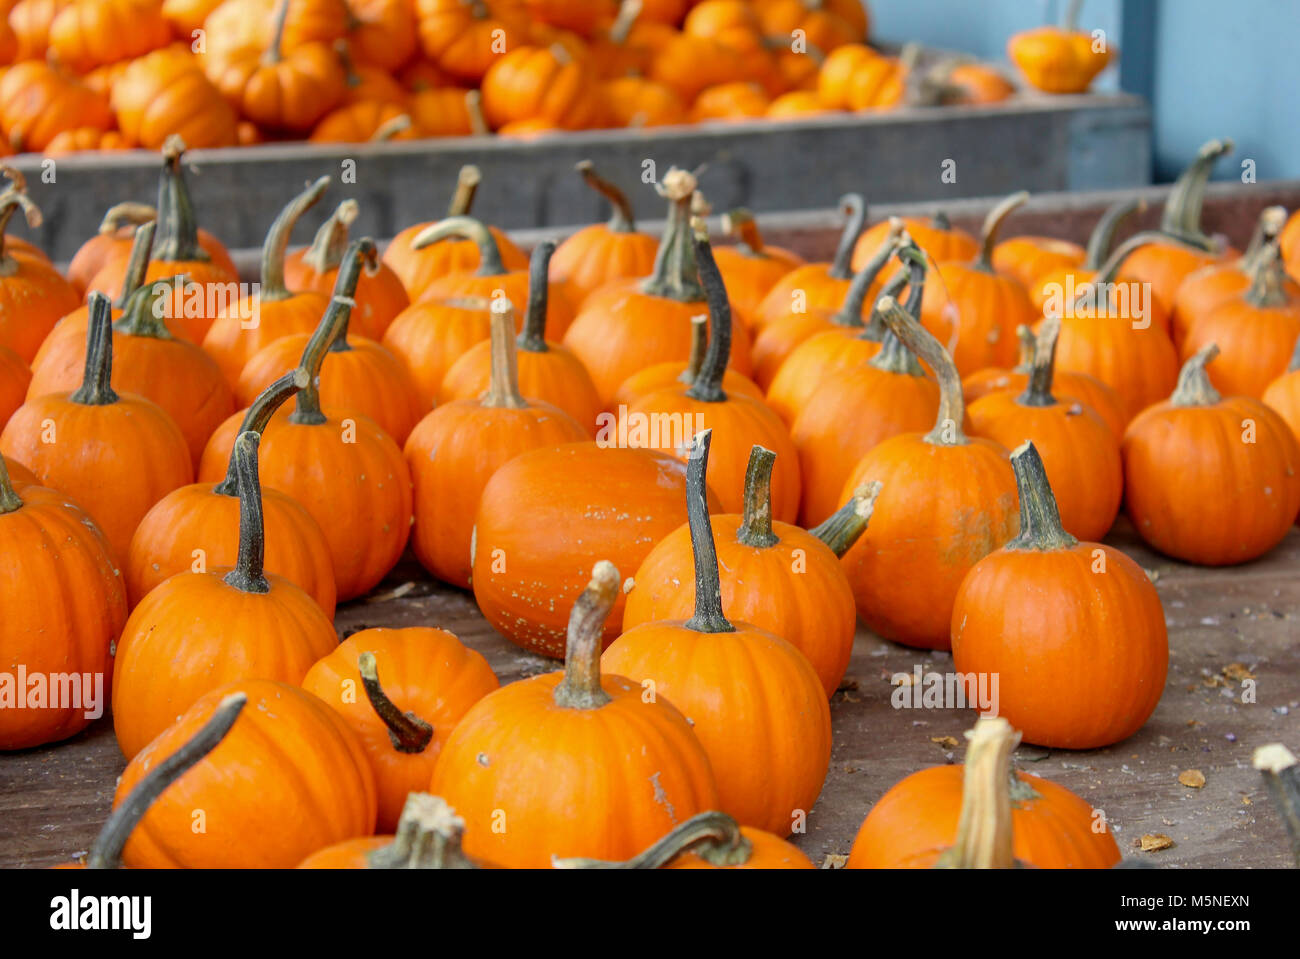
{"points": [[947, 501], [638, 103], [33, 296], [670, 12], [689, 64], [382, 33], [936, 235], [418, 683], [114, 454], [773, 575], [39, 101], [629, 325], [630, 763], [74, 625], [454, 451], [548, 371], [710, 840], [368, 84], [797, 105], [750, 268], [1060, 59], [466, 39], [253, 626], [167, 93], [1235, 498], [921, 816], [756, 703], [297, 760], [429, 835], [739, 100], [186, 16], [625, 45], [541, 83], [197, 526], [271, 311], [1074, 629], [14, 377], [236, 24], [1078, 447], [84, 139], [603, 252], [652, 379], [368, 121], [447, 112], [628, 500], [976, 84], [583, 17], [826, 24]]}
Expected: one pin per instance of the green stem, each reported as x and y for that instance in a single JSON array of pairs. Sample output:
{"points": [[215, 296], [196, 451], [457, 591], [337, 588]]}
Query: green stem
{"points": [[708, 617], [855, 209], [846, 525], [622, 220], [1070, 18], [332, 327], [106, 852], [1282, 773], [465, 228], [503, 378], [699, 347], [1038, 390], [408, 732], [850, 313], [9, 499], [893, 356], [14, 199], [713, 836], [137, 264], [1040, 520], [756, 523], [1182, 213], [533, 335], [707, 384], [741, 224], [143, 312], [258, 415], [1194, 387], [331, 240], [128, 213], [581, 686], [952, 408], [1102, 239], [177, 240], [96, 388], [429, 835], [363, 255], [676, 275], [993, 224], [277, 240], [247, 576], [1268, 279]]}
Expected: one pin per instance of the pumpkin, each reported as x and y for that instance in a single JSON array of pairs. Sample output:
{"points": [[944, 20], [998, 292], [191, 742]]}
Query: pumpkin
{"points": [[627, 44], [639, 103], [83, 139], [368, 121], [429, 836], [825, 24], [936, 236], [196, 526], [524, 575], [116, 455], [454, 451], [1060, 59], [380, 295], [753, 699], [738, 100], [580, 16], [364, 84], [665, 11], [429, 672], [240, 25], [253, 626], [631, 324], [1283, 394], [38, 102], [688, 65], [33, 296], [603, 252], [86, 34], [1074, 629], [797, 105], [731, 22], [947, 501], [296, 759], [1235, 498], [447, 112], [652, 379], [774, 575], [547, 371], [14, 377], [417, 268], [1254, 330], [709, 840], [1027, 259], [630, 762], [976, 84], [838, 71], [382, 33], [271, 311], [429, 336], [920, 816], [465, 39], [1056, 286], [186, 16], [994, 379], [750, 269], [63, 607], [876, 82], [1078, 447], [817, 284], [341, 465], [546, 83]]}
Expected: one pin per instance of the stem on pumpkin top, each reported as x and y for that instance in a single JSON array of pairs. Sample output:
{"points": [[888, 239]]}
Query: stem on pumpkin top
{"points": [[707, 384], [676, 274], [756, 523], [533, 335], [713, 836], [96, 388], [277, 240], [1040, 520], [465, 228], [1194, 387], [581, 686], [855, 209], [846, 525], [993, 224], [248, 575], [984, 829], [429, 835], [407, 731], [708, 616], [622, 220], [258, 415], [1038, 390]]}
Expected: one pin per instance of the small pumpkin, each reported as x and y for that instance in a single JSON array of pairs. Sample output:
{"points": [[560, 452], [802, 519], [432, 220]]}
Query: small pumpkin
{"points": [[632, 764], [14, 377], [750, 268], [429, 836], [638, 103], [709, 840], [39, 101], [447, 112], [85, 139], [738, 100], [33, 296], [626, 45], [826, 24], [1074, 629], [427, 671], [936, 236], [1054, 287], [1061, 59], [366, 121], [1283, 394], [430, 336], [253, 626], [797, 105], [546, 83], [1027, 259], [166, 92], [465, 39], [689, 64], [652, 379], [1235, 498], [382, 33]]}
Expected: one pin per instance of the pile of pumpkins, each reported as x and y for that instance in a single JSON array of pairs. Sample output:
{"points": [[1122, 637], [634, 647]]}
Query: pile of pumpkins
{"points": [[84, 75], [684, 470]]}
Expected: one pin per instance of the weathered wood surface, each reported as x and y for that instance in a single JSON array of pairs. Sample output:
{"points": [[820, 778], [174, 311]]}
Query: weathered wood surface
{"points": [[53, 799]]}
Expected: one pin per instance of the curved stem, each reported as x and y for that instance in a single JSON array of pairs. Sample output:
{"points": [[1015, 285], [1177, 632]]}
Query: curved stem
{"points": [[846, 525], [676, 275], [1182, 213], [391, 127], [624, 20], [952, 408], [126, 214], [465, 228], [707, 384], [247, 576], [332, 328], [503, 379], [992, 224], [1102, 238], [96, 388], [9, 499], [1025, 337], [581, 687], [984, 830], [1040, 520], [1194, 387], [144, 309], [273, 54], [533, 335], [699, 348], [1269, 225], [893, 356], [407, 731], [622, 220], [708, 616], [15, 199], [741, 224], [106, 852], [1282, 773], [258, 415], [331, 240], [713, 836], [429, 835], [1038, 390], [940, 221], [855, 208], [1109, 270], [1268, 279], [177, 240], [137, 264], [467, 182], [277, 240], [1070, 18], [850, 312], [756, 523]]}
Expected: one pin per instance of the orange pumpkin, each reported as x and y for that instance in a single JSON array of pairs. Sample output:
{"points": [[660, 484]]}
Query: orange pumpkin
{"points": [[936, 236], [33, 296], [84, 139], [429, 336], [750, 269], [738, 100], [652, 379], [367, 121], [688, 64], [640, 103], [465, 39], [429, 836], [383, 32], [976, 84], [30, 21], [797, 105], [86, 34], [626, 45], [1050, 289], [447, 112], [14, 377], [546, 83], [1027, 259], [38, 102], [1283, 394], [1060, 59], [710, 840]]}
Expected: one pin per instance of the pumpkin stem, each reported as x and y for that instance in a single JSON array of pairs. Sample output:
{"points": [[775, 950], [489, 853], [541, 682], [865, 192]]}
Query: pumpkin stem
{"points": [[581, 687], [478, 125], [391, 127], [467, 182], [893, 356], [992, 225], [106, 852], [708, 616], [1194, 387], [465, 228], [1268, 279], [96, 388], [1028, 344], [533, 335], [503, 378], [408, 732], [699, 347], [713, 836], [756, 523], [1282, 773], [15, 199], [952, 408], [126, 214], [1109, 270], [1038, 390], [846, 525], [258, 415], [143, 312], [676, 275], [1040, 520], [624, 20], [333, 326], [137, 264], [984, 830], [622, 220], [1102, 238], [855, 210], [9, 499], [365, 257], [1070, 18], [273, 54], [428, 837], [277, 240], [706, 386], [178, 229], [741, 224], [1267, 228], [331, 240], [850, 312], [940, 221], [247, 576], [1182, 213]]}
